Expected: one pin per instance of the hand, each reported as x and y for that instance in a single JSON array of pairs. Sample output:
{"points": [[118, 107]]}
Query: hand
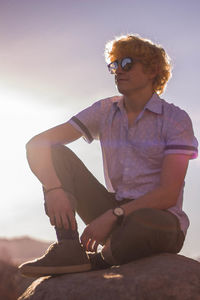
{"points": [[98, 231], [59, 209]]}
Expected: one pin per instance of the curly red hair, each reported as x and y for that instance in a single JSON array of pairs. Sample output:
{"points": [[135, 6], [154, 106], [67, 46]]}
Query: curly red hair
{"points": [[152, 56]]}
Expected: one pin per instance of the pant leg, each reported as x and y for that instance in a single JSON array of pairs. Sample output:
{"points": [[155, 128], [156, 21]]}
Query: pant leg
{"points": [[91, 198], [144, 233]]}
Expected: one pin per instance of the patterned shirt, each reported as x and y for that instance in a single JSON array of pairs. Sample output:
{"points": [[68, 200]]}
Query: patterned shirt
{"points": [[133, 155]]}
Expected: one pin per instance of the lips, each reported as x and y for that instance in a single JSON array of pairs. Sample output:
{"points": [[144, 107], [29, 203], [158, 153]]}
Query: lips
{"points": [[118, 79]]}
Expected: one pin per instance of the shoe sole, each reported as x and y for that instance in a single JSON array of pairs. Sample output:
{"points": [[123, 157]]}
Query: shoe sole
{"points": [[29, 271]]}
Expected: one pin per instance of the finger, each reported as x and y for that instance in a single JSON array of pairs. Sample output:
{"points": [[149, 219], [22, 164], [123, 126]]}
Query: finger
{"points": [[58, 221], [83, 243], [95, 246], [65, 222], [89, 245], [72, 221], [52, 219], [84, 240]]}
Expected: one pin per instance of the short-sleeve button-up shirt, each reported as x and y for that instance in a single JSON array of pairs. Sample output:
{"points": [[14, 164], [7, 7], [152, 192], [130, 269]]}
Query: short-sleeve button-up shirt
{"points": [[133, 155]]}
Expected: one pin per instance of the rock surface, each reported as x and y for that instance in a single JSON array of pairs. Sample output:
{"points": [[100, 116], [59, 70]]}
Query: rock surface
{"points": [[161, 277]]}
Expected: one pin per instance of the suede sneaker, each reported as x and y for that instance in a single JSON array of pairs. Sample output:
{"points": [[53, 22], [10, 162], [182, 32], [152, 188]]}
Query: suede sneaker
{"points": [[66, 256]]}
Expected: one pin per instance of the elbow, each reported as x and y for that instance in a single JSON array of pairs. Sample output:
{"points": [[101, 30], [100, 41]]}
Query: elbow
{"points": [[37, 142], [28, 145], [31, 143], [31, 149], [171, 199]]}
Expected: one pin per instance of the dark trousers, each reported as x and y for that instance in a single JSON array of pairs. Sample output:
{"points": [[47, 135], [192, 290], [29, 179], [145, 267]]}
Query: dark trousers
{"points": [[143, 233]]}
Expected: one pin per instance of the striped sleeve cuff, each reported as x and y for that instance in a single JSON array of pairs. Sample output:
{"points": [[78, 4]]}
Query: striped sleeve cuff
{"points": [[81, 127], [183, 149]]}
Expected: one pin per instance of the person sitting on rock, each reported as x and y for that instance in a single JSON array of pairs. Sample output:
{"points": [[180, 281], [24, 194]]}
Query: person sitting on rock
{"points": [[146, 144]]}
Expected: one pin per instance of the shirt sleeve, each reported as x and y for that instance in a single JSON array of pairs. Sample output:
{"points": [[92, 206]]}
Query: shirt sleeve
{"points": [[180, 136], [88, 121]]}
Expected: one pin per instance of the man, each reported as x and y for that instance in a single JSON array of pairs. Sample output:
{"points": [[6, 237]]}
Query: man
{"points": [[146, 145]]}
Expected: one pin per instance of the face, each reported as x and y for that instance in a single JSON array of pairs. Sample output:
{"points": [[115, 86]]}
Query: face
{"points": [[134, 80]]}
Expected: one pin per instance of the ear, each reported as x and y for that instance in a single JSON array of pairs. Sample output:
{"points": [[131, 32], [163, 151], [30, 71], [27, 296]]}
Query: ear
{"points": [[153, 72]]}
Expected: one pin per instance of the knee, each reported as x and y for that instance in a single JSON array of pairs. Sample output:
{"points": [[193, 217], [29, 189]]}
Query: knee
{"points": [[58, 148], [153, 218], [145, 212], [144, 232], [64, 159], [142, 217], [60, 151]]}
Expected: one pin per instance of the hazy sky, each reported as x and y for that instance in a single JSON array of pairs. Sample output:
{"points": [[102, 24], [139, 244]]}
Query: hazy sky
{"points": [[52, 66]]}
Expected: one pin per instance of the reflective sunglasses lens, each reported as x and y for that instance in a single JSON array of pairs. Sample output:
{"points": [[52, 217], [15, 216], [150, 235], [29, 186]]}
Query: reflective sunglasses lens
{"points": [[112, 67], [126, 64]]}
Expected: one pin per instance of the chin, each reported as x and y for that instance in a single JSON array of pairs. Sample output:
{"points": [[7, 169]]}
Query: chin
{"points": [[121, 90]]}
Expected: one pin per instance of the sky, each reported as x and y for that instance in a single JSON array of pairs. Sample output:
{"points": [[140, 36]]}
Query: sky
{"points": [[52, 66]]}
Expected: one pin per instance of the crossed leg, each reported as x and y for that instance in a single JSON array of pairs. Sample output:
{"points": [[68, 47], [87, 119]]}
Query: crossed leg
{"points": [[143, 233]]}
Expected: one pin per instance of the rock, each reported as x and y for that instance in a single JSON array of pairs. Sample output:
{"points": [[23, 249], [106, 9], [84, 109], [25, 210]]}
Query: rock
{"points": [[11, 283], [160, 277]]}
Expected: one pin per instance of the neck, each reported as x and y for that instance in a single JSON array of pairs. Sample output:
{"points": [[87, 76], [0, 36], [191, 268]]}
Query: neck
{"points": [[136, 101]]}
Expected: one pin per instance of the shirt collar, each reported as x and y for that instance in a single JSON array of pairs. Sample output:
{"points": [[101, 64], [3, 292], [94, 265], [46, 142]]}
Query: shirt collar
{"points": [[154, 104]]}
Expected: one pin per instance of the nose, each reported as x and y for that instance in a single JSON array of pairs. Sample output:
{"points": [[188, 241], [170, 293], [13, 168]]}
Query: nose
{"points": [[119, 69]]}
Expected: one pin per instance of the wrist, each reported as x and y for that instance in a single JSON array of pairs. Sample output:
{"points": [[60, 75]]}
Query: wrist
{"points": [[119, 214], [48, 190], [111, 215]]}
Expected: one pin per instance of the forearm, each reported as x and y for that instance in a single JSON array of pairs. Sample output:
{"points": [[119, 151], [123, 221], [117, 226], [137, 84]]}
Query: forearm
{"points": [[40, 162], [166, 194], [159, 198], [39, 152]]}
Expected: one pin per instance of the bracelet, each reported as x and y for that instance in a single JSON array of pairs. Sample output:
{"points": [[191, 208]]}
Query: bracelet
{"points": [[52, 189]]}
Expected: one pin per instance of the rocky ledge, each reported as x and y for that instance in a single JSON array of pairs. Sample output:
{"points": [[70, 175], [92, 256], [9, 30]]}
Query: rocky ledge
{"points": [[160, 277]]}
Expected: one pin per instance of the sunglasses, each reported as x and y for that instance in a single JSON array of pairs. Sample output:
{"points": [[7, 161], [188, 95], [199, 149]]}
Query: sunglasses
{"points": [[126, 64]]}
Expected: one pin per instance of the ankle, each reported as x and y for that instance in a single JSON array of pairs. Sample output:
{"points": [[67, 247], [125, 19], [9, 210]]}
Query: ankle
{"points": [[63, 234]]}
